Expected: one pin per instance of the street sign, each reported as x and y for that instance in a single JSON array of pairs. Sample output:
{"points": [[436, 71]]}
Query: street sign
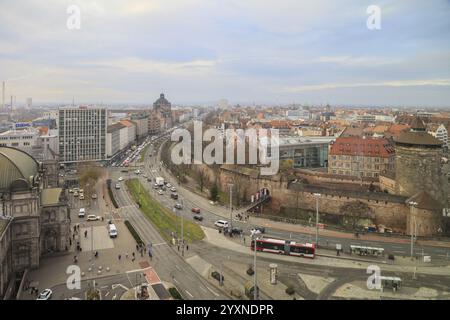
{"points": [[426, 258]]}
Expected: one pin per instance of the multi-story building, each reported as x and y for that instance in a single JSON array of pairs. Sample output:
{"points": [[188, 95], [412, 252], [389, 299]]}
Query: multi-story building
{"points": [[113, 139], [82, 134], [365, 118], [131, 132], [154, 122], [140, 120], [34, 220], [41, 144], [307, 152], [440, 132], [361, 156], [163, 107]]}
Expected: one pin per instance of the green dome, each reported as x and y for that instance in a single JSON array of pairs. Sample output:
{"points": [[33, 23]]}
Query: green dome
{"points": [[17, 169]]}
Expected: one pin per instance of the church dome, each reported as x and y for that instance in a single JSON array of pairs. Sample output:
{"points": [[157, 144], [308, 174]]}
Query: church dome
{"points": [[17, 169]]}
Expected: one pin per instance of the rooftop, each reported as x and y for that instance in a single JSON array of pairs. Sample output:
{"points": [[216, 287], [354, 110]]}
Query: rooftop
{"points": [[18, 167], [372, 147]]}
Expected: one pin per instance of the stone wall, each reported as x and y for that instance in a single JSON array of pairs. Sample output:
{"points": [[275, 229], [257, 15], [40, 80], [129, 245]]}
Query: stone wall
{"points": [[388, 210]]}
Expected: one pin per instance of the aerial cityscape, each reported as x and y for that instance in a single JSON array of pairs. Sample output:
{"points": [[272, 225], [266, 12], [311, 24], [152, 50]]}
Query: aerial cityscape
{"points": [[224, 150]]}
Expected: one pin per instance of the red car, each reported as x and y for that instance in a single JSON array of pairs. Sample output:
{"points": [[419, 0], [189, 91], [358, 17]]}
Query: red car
{"points": [[195, 210]]}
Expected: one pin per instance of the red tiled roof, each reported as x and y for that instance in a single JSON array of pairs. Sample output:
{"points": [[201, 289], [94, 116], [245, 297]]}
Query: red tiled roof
{"points": [[358, 146]]}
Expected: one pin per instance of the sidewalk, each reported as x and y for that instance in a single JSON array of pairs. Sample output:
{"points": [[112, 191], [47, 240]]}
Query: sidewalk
{"points": [[224, 212], [218, 239]]}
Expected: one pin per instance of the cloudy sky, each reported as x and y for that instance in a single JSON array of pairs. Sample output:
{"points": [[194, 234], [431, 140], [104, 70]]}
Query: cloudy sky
{"points": [[200, 51]]}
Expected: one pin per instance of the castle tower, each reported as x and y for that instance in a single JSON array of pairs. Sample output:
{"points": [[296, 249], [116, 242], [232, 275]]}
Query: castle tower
{"points": [[418, 162], [418, 175]]}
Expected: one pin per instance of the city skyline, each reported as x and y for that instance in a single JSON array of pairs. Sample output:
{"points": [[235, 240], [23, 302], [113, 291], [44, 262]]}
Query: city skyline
{"points": [[199, 52]]}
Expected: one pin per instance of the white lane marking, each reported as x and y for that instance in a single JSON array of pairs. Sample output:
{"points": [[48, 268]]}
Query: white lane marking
{"points": [[159, 244], [189, 294], [175, 280], [178, 268], [215, 293]]}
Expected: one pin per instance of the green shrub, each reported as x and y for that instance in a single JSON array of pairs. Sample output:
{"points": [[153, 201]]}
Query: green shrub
{"points": [[113, 200], [133, 232]]}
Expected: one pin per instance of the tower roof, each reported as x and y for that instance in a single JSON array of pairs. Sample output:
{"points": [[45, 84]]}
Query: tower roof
{"points": [[417, 124]]}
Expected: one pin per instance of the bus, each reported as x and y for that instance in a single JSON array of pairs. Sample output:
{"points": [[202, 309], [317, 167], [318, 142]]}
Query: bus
{"points": [[287, 247], [366, 251]]}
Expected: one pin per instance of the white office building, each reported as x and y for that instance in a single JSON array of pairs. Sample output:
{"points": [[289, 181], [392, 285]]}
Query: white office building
{"points": [[82, 134]]}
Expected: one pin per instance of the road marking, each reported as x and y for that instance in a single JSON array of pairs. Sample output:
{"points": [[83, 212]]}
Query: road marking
{"points": [[159, 244], [178, 268], [175, 280], [399, 252], [189, 294], [114, 286], [203, 289], [215, 293]]}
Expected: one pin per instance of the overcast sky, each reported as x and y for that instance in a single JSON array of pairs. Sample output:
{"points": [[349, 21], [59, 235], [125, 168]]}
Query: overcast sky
{"points": [[199, 51]]}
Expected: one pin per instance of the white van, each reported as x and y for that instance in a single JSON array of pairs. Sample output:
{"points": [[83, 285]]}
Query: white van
{"points": [[221, 224], [112, 230], [81, 213]]}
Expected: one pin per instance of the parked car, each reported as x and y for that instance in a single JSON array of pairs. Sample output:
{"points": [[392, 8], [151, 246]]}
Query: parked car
{"points": [[173, 189], [81, 213], [198, 217], [196, 210], [94, 196], [45, 295], [93, 217], [120, 179], [81, 196], [160, 192]]}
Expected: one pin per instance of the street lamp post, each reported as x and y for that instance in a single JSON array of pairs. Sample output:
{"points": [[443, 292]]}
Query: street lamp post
{"points": [[255, 282], [317, 196], [231, 205], [412, 227]]}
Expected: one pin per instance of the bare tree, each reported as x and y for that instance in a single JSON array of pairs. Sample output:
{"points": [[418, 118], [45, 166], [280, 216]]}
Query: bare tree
{"points": [[355, 211]]}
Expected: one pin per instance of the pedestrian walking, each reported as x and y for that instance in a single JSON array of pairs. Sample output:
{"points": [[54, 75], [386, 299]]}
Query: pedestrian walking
{"points": [[133, 254], [244, 240], [126, 255], [120, 256], [75, 259], [187, 247], [137, 247], [85, 233]]}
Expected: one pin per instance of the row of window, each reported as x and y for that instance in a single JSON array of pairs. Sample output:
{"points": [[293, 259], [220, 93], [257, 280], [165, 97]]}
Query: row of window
{"points": [[361, 174]]}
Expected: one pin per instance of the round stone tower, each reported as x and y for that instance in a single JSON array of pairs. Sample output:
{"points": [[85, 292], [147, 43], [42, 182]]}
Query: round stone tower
{"points": [[418, 163]]}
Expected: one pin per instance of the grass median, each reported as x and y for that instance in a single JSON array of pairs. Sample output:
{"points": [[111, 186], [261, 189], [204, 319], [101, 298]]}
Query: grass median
{"points": [[144, 152], [163, 219]]}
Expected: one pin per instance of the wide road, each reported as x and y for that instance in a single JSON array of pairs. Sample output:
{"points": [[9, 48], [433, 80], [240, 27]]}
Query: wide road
{"points": [[153, 168], [167, 262]]}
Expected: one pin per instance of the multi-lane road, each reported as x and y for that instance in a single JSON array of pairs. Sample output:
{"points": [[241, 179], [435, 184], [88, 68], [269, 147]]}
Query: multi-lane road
{"points": [[211, 213]]}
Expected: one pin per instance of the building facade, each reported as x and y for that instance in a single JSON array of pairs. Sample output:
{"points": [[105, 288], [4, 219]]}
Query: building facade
{"points": [[163, 107], [34, 220], [311, 152], [361, 157], [82, 134]]}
